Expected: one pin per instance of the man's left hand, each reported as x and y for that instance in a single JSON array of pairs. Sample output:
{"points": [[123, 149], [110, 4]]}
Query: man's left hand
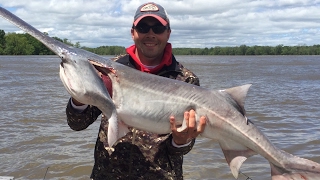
{"points": [[191, 132]]}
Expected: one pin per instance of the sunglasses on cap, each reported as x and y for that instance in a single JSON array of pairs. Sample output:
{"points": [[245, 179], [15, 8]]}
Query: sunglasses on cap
{"points": [[144, 28]]}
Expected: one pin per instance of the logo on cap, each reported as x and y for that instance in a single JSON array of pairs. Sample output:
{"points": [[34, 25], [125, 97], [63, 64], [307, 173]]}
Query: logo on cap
{"points": [[149, 7]]}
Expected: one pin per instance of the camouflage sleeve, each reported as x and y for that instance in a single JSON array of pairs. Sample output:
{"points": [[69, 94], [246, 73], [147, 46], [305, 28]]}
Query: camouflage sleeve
{"points": [[178, 151], [175, 156], [188, 76], [81, 120]]}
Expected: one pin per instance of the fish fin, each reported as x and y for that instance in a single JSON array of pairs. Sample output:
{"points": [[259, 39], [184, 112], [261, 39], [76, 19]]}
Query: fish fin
{"points": [[116, 130], [113, 130], [123, 129], [239, 94], [235, 155]]}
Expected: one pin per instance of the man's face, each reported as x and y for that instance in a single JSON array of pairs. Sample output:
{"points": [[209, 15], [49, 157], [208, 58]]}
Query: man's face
{"points": [[150, 46]]}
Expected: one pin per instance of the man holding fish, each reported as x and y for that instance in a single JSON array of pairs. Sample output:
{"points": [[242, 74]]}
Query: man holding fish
{"points": [[140, 154]]}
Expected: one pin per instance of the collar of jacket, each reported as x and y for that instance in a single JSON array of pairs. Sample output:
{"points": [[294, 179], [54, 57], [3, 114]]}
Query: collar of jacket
{"points": [[166, 60], [173, 67]]}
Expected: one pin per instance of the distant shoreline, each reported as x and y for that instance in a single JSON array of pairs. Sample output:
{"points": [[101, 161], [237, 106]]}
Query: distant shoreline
{"points": [[24, 44]]}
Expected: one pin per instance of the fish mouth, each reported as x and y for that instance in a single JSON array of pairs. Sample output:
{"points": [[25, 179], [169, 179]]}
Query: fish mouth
{"points": [[104, 73], [103, 69], [96, 63]]}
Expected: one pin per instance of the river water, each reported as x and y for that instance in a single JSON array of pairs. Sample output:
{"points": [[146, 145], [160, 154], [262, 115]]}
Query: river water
{"points": [[37, 143]]}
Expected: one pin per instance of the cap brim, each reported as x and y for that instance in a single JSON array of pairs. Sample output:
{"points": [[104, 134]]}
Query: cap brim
{"points": [[162, 21]]}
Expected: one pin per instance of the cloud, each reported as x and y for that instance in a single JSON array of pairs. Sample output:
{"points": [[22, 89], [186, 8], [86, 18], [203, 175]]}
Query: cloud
{"points": [[201, 23]]}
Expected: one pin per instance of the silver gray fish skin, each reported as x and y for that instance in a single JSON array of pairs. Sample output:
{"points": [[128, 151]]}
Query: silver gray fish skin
{"points": [[146, 102]]}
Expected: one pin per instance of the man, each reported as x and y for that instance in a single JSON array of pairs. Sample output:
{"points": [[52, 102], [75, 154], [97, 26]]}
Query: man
{"points": [[140, 154]]}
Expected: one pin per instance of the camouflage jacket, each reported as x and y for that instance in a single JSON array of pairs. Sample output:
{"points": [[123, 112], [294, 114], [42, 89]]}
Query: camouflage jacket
{"points": [[139, 154]]}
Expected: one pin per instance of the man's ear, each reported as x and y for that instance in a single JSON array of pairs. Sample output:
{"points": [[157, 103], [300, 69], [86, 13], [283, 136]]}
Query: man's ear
{"points": [[132, 32], [168, 34]]}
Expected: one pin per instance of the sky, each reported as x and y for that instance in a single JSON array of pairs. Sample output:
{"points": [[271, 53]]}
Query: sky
{"points": [[194, 23]]}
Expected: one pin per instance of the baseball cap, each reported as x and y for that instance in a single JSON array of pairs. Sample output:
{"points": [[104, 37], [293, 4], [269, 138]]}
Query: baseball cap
{"points": [[151, 9]]}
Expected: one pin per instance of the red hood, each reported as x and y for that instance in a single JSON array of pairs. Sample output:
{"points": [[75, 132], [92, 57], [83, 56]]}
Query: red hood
{"points": [[166, 59]]}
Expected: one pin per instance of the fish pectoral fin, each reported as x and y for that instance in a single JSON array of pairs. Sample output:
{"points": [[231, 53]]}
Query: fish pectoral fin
{"points": [[116, 130], [235, 155], [123, 129], [113, 130]]}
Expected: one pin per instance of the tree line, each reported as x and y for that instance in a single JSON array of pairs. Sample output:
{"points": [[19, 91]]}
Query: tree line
{"points": [[251, 50], [24, 44]]}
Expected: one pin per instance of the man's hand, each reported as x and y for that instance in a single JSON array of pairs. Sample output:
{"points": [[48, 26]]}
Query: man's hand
{"points": [[191, 131]]}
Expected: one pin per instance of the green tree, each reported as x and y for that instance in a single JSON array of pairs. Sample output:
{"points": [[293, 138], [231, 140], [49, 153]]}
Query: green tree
{"points": [[77, 45], [66, 41], [216, 50], [39, 48], [242, 50], [17, 44], [250, 51], [2, 41], [278, 49], [58, 39]]}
